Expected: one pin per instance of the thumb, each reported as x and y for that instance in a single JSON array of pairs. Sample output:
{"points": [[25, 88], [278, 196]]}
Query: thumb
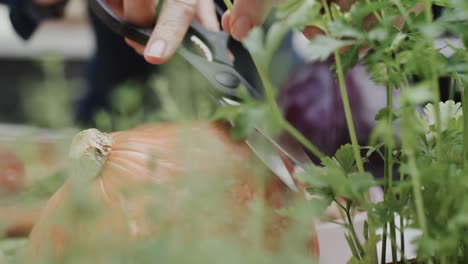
{"points": [[172, 25], [245, 15]]}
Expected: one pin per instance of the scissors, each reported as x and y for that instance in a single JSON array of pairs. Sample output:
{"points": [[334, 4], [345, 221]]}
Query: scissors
{"points": [[208, 52]]}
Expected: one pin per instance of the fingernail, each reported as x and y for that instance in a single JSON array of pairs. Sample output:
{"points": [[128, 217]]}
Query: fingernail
{"points": [[241, 27], [156, 49]]}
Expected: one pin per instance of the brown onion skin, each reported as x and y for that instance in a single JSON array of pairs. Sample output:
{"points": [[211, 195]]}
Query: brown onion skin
{"points": [[19, 221], [218, 158], [12, 172]]}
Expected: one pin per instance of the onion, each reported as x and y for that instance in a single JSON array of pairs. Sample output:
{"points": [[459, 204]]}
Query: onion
{"points": [[12, 172], [176, 168]]}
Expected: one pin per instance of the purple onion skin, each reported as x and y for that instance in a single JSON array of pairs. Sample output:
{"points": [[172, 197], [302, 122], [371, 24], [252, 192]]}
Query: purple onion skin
{"points": [[311, 102]]}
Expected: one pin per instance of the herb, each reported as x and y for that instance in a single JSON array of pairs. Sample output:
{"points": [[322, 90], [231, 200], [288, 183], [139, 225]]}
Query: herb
{"points": [[425, 153], [429, 148]]}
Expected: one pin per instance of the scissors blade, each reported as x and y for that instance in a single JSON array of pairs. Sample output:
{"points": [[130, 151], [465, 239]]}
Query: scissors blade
{"points": [[290, 147], [269, 154], [214, 63]]}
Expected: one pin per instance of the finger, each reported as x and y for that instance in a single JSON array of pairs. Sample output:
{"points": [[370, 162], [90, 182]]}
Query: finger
{"points": [[247, 14], [311, 32], [116, 6], [139, 12], [140, 49], [173, 23], [225, 22], [206, 15]]}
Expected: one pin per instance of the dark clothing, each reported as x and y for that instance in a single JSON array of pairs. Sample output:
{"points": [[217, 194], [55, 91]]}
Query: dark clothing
{"points": [[113, 61], [112, 64], [26, 16]]}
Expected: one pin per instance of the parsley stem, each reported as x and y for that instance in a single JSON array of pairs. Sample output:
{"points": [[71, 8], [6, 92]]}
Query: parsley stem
{"points": [[465, 123], [228, 4], [352, 132], [428, 11], [409, 142], [383, 252], [402, 239], [393, 237], [271, 101], [417, 191], [388, 174], [348, 113], [376, 14], [354, 142], [353, 230], [343, 209], [464, 99], [302, 139], [434, 78], [451, 95], [416, 183], [402, 194], [465, 251], [345, 100]]}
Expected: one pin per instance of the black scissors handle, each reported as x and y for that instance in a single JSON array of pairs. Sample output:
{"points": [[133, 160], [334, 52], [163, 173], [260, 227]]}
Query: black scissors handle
{"points": [[220, 71]]}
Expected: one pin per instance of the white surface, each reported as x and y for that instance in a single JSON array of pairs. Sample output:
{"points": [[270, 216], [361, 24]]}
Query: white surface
{"points": [[11, 133], [70, 37], [445, 45], [410, 235], [334, 249], [333, 246]]}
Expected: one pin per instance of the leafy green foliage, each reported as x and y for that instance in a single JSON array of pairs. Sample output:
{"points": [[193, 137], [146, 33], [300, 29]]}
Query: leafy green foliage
{"points": [[54, 96], [322, 47], [166, 97], [338, 177], [426, 151], [428, 148]]}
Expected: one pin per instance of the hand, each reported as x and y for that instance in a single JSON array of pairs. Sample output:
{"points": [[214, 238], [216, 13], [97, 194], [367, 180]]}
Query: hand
{"points": [[247, 14], [173, 23]]}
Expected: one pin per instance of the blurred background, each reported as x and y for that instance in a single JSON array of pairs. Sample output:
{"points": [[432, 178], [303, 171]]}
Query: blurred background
{"points": [[69, 40], [43, 78]]}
